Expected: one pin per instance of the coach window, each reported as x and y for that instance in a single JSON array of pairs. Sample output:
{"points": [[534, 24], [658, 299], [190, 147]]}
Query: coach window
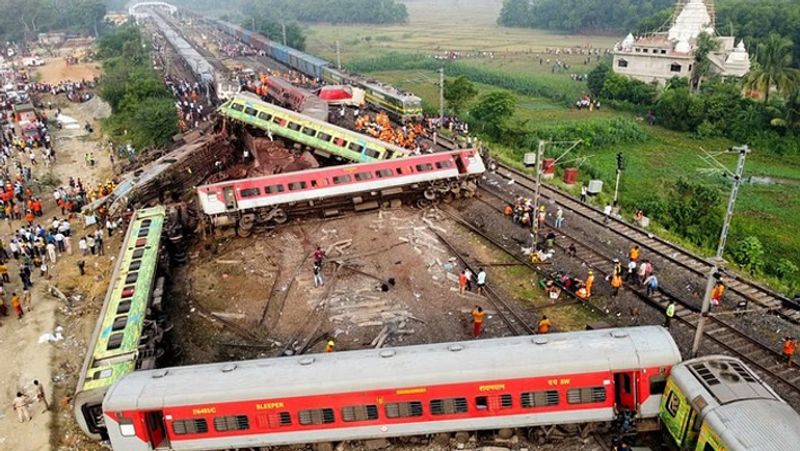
{"points": [[539, 398], [294, 186], [250, 111], [237, 106], [355, 147], [404, 409], [231, 423], [361, 176], [126, 427], [424, 167], [339, 179], [273, 189], [184, 427], [384, 173], [494, 402], [339, 142], [444, 164], [309, 131], [249, 192], [586, 395], [372, 153], [315, 416], [673, 404], [324, 136], [448, 406], [264, 116], [658, 384], [294, 126], [273, 420], [360, 413]]}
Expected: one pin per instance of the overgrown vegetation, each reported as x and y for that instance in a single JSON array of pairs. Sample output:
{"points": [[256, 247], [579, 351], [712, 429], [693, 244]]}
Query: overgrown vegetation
{"points": [[579, 15], [331, 11], [24, 19], [142, 109]]}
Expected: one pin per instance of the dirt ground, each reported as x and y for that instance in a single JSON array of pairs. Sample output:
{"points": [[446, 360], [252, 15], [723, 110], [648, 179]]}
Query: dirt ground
{"points": [[54, 364], [56, 69]]}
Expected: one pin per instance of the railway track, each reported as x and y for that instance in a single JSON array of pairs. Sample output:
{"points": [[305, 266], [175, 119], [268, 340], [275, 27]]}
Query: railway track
{"points": [[721, 331], [750, 291]]}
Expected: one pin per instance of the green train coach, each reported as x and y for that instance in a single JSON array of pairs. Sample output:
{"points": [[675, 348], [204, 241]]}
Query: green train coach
{"points": [[114, 349], [326, 139], [399, 105], [717, 403]]}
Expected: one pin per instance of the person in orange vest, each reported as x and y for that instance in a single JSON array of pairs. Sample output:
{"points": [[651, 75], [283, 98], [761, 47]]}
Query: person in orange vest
{"points": [[581, 292], [544, 325], [789, 347], [477, 321], [589, 283], [29, 217], [330, 345], [462, 282], [509, 210], [633, 254], [717, 292], [616, 283]]}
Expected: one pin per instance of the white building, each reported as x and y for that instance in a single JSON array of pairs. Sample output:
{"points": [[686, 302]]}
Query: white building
{"points": [[662, 55]]}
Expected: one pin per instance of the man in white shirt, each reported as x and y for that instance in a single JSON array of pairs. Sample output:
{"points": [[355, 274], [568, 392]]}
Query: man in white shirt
{"points": [[481, 280]]}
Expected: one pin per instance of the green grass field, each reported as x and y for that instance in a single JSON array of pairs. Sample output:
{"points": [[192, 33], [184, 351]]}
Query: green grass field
{"points": [[770, 212]]}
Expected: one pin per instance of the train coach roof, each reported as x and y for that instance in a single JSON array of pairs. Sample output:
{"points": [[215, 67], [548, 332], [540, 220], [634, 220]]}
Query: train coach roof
{"points": [[756, 425], [410, 366]]}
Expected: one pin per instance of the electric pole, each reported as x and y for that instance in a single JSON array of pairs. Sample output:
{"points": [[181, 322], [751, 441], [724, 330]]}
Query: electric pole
{"points": [[338, 57], [535, 215], [441, 96], [620, 168], [723, 237]]}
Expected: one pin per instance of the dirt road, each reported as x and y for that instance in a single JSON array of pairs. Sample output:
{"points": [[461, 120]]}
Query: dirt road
{"points": [[24, 358]]}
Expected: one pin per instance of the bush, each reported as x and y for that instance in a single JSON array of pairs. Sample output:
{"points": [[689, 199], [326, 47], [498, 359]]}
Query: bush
{"points": [[749, 252], [784, 268]]}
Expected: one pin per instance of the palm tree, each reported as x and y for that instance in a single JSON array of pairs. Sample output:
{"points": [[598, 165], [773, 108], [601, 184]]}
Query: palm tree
{"points": [[705, 45], [773, 67]]}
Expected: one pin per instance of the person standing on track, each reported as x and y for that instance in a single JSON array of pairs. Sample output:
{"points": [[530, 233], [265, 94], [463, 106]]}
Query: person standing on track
{"points": [[633, 254], [583, 193], [789, 347], [651, 284], [544, 325], [589, 283], [669, 313], [630, 276], [462, 282], [318, 282], [616, 283], [477, 321], [481, 281], [716, 293], [559, 218]]}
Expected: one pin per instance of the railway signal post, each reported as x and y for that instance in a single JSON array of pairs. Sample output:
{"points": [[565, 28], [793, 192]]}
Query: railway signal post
{"points": [[620, 168], [723, 237]]}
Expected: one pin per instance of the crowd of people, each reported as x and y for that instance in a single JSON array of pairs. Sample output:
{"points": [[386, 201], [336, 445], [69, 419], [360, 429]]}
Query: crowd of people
{"points": [[191, 111]]}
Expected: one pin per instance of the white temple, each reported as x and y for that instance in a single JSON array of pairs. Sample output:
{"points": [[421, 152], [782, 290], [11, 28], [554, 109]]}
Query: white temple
{"points": [[662, 55]]}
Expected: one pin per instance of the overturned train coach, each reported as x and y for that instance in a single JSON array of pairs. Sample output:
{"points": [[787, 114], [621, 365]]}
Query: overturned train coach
{"points": [[330, 190], [576, 378]]}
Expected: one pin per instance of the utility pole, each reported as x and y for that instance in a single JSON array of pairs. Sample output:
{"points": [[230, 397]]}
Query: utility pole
{"points": [[283, 26], [441, 96], [338, 56], [535, 216], [620, 168], [723, 237]]}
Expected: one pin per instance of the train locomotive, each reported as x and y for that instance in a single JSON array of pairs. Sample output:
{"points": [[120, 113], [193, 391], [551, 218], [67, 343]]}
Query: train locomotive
{"points": [[359, 187], [400, 105], [716, 403], [577, 378]]}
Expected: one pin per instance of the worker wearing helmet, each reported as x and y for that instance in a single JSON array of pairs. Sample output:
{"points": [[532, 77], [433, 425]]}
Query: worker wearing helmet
{"points": [[330, 345]]}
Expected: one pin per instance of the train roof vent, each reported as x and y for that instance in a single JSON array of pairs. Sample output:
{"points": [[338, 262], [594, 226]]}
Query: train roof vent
{"points": [[386, 353], [705, 373], [619, 333], [455, 348], [305, 361], [728, 380], [743, 372], [228, 368], [539, 340], [159, 374]]}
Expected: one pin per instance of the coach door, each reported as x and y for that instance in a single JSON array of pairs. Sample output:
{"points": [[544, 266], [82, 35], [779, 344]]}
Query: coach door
{"points": [[156, 430], [230, 198], [625, 384]]}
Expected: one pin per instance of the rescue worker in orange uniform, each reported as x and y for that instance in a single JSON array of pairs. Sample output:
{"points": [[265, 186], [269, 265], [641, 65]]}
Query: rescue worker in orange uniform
{"points": [[330, 345], [789, 347], [717, 292], [581, 292], [477, 321], [589, 283], [544, 325], [633, 254], [616, 283]]}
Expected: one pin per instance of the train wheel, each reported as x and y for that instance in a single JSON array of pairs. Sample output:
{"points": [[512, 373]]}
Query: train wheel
{"points": [[455, 186], [423, 203], [245, 226], [449, 197], [430, 194], [244, 233], [280, 216], [443, 187]]}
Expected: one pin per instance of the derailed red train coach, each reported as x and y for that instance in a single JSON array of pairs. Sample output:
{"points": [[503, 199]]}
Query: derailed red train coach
{"points": [[580, 377]]}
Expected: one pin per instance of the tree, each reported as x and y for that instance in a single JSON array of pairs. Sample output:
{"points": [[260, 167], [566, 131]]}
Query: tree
{"points": [[749, 253], [493, 109], [773, 68], [597, 78], [458, 93], [704, 46], [692, 210]]}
